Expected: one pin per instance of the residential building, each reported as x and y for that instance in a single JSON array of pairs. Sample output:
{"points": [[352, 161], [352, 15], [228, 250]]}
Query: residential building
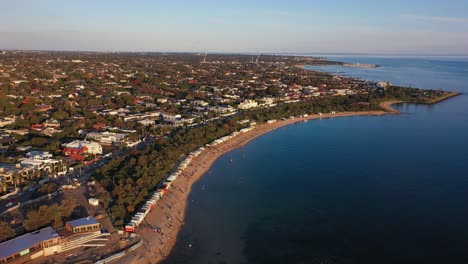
{"points": [[16, 173], [146, 122], [80, 150], [107, 138], [7, 121], [52, 123], [6, 141], [42, 161]]}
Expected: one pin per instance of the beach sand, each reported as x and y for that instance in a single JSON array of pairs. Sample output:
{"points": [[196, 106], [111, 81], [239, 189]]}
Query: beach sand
{"points": [[170, 211]]}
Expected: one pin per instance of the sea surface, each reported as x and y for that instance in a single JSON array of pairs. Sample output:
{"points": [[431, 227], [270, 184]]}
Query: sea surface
{"points": [[364, 189]]}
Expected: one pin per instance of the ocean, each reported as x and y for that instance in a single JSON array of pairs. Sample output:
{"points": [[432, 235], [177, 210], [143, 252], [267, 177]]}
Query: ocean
{"points": [[363, 189]]}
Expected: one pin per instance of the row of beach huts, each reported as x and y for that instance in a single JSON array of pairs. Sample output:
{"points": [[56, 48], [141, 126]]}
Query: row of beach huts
{"points": [[150, 204]]}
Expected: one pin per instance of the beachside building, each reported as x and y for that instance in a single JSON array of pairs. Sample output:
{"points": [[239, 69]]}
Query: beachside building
{"points": [[44, 242], [82, 225]]}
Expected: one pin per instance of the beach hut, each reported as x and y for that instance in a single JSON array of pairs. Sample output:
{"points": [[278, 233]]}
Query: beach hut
{"points": [[130, 227], [172, 178]]}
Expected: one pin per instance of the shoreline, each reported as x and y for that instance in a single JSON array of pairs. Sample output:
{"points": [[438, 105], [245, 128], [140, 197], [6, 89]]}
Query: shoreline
{"points": [[170, 211], [348, 65], [443, 98]]}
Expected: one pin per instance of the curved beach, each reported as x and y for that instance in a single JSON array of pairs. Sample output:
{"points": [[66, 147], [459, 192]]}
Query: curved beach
{"points": [[169, 214]]}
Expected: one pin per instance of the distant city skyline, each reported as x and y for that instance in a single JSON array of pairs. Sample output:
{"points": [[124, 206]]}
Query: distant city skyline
{"points": [[431, 27]]}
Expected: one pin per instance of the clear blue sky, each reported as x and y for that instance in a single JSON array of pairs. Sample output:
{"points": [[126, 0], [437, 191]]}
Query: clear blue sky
{"points": [[308, 26]]}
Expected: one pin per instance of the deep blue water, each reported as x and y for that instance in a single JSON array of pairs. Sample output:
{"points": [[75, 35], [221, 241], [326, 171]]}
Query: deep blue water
{"points": [[386, 189]]}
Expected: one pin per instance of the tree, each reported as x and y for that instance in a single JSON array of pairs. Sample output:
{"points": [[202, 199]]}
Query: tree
{"points": [[60, 115], [36, 219], [56, 214], [38, 141], [21, 123], [68, 207], [49, 188], [6, 231], [104, 197]]}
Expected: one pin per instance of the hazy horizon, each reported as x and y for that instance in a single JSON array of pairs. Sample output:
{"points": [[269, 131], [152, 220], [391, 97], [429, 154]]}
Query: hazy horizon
{"points": [[419, 27]]}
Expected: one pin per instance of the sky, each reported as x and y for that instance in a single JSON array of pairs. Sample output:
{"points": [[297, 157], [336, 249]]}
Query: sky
{"points": [[426, 27]]}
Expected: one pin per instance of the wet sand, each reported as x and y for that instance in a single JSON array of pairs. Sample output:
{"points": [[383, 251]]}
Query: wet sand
{"points": [[169, 213]]}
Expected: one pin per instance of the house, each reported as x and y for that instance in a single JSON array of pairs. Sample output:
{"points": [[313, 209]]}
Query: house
{"points": [[22, 249], [80, 150], [267, 101], [7, 121], [170, 117], [93, 201], [87, 146], [52, 123], [39, 155], [38, 127], [99, 126], [107, 138], [146, 122], [42, 161], [200, 103], [6, 141], [43, 108], [50, 131], [223, 109]]}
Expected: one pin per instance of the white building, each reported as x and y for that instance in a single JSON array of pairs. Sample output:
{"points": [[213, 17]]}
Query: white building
{"points": [[92, 147], [146, 122], [170, 117], [7, 121], [247, 104], [107, 137], [200, 103], [267, 101]]}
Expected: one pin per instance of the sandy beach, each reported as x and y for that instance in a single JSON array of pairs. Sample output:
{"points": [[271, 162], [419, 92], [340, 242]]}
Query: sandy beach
{"points": [[169, 214]]}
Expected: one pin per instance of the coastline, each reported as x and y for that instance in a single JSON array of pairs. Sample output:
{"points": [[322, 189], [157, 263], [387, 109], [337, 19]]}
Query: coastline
{"points": [[169, 214], [349, 65], [443, 98]]}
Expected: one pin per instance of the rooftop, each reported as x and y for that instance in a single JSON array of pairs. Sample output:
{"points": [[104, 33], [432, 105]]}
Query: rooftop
{"points": [[83, 221], [26, 241]]}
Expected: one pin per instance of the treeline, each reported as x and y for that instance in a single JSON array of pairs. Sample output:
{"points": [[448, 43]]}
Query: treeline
{"points": [[413, 95], [43, 216], [49, 215]]}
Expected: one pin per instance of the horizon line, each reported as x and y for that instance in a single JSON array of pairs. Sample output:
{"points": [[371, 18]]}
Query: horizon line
{"points": [[241, 52]]}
